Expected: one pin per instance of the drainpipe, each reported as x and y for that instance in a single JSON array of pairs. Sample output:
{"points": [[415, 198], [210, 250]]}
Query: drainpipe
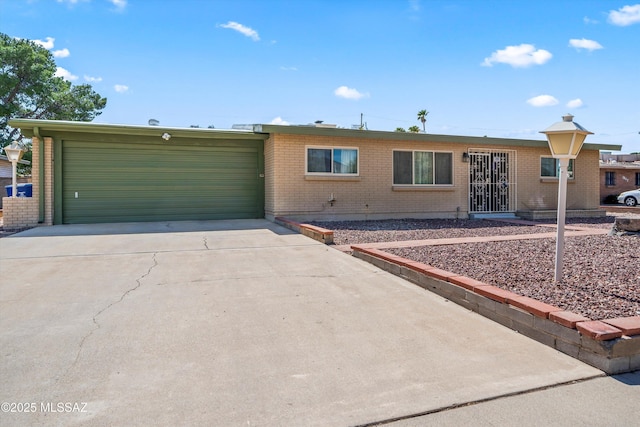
{"points": [[36, 133]]}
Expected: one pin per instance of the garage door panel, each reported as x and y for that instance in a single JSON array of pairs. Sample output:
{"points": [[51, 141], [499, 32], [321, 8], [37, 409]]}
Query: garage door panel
{"points": [[107, 182]]}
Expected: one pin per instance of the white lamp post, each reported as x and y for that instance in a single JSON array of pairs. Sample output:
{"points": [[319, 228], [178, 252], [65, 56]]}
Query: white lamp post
{"points": [[565, 141], [14, 154]]}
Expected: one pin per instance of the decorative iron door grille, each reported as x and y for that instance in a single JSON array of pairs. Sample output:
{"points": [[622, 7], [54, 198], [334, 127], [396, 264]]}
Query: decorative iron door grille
{"points": [[492, 181]]}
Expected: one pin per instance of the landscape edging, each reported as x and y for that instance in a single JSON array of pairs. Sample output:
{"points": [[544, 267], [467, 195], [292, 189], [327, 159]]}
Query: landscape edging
{"points": [[596, 343], [316, 233]]}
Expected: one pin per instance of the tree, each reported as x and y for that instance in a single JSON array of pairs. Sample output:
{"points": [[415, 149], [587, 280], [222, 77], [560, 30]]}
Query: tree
{"points": [[414, 129], [400, 130], [29, 89], [422, 116]]}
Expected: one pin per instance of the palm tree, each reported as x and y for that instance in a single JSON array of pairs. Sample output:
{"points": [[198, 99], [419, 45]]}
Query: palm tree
{"points": [[414, 129], [422, 116], [400, 130]]}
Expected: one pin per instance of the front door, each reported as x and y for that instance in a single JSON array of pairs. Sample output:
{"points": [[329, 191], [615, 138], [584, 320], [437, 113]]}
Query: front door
{"points": [[492, 181]]}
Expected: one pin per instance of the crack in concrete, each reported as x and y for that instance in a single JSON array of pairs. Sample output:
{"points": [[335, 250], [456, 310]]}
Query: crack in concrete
{"points": [[480, 401], [95, 316], [204, 240]]}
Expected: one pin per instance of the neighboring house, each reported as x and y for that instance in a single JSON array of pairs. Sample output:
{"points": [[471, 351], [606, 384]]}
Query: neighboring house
{"points": [[115, 173], [618, 173], [6, 177]]}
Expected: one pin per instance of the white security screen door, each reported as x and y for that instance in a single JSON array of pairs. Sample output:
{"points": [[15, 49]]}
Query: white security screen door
{"points": [[492, 181]]}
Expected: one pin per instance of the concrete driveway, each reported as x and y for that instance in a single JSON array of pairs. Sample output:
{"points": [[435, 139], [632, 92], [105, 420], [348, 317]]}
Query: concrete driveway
{"points": [[237, 323]]}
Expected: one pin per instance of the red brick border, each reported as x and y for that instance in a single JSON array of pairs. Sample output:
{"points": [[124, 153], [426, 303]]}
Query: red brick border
{"points": [[628, 325], [567, 318], [317, 233], [591, 341]]}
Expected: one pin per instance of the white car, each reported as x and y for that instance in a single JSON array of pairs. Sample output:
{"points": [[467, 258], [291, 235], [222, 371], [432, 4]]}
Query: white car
{"points": [[630, 198]]}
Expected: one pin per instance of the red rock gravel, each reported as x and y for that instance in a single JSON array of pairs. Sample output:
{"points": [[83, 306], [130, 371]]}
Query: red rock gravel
{"points": [[601, 273]]}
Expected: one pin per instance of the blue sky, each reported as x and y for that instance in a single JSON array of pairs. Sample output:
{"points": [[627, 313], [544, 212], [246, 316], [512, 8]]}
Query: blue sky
{"points": [[480, 67]]}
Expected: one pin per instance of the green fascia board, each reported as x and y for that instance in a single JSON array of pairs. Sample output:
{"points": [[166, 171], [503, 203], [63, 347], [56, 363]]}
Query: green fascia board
{"points": [[262, 132], [410, 136], [55, 127]]}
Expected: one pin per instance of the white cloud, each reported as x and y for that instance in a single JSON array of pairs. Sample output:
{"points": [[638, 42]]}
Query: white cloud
{"points": [[62, 53], [249, 32], [626, 15], [289, 68], [542, 101], [119, 4], [349, 93], [588, 20], [92, 79], [278, 121], [523, 55], [575, 103], [72, 3], [65, 74], [121, 88], [590, 45], [48, 44]]}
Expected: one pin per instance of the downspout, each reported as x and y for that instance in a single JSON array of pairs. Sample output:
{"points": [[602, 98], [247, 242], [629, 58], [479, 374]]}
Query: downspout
{"points": [[36, 133]]}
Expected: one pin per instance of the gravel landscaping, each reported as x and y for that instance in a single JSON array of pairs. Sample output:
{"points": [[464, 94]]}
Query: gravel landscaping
{"points": [[601, 273]]}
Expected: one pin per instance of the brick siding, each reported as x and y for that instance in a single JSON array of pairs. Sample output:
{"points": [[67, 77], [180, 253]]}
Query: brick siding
{"points": [[291, 193]]}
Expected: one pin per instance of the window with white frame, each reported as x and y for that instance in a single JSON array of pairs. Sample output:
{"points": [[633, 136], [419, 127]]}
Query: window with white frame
{"points": [[422, 168], [328, 161], [550, 168]]}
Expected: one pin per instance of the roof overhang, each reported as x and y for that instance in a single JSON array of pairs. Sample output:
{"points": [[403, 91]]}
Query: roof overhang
{"points": [[20, 162], [30, 128], [410, 136]]}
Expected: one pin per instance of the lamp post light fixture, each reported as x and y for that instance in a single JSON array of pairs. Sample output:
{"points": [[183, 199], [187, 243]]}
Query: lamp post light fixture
{"points": [[565, 141], [14, 154]]}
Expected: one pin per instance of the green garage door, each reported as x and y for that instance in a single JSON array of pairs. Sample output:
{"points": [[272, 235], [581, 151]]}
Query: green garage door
{"points": [[122, 182]]}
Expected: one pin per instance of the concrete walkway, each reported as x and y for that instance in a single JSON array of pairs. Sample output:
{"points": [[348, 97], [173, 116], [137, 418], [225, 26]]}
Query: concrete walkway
{"points": [[243, 323]]}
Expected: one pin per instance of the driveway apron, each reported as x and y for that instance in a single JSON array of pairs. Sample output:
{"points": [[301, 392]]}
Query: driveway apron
{"points": [[237, 323]]}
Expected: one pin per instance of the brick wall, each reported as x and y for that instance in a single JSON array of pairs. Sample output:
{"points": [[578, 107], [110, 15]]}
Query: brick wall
{"points": [[536, 193], [269, 177], [19, 212], [24, 212], [48, 181], [289, 192]]}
